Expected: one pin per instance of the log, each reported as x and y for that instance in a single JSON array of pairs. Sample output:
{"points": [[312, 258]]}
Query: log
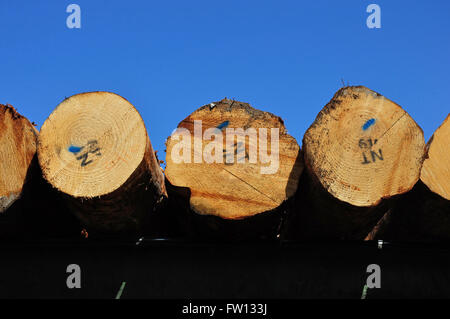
{"points": [[18, 140], [435, 173], [424, 214], [361, 151], [25, 212], [232, 167], [95, 151]]}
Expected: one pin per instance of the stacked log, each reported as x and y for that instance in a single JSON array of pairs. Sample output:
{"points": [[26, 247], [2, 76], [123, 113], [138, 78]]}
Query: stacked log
{"points": [[435, 172], [424, 213], [361, 151], [95, 151], [232, 169], [18, 140]]}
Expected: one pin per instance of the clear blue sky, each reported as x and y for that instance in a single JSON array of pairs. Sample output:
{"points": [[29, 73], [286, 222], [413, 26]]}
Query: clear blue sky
{"points": [[170, 57]]}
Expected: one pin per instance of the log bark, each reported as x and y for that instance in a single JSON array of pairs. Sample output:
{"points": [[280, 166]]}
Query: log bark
{"points": [[28, 210], [233, 168], [424, 214], [18, 140], [95, 151], [361, 151]]}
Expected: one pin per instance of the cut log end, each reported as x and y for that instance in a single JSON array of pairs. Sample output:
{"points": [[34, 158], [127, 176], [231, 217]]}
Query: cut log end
{"points": [[363, 147], [95, 150], [436, 168], [18, 139], [229, 178], [91, 144]]}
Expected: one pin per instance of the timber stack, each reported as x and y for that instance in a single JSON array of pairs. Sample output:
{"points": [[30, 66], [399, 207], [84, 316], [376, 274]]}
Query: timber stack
{"points": [[232, 172]]}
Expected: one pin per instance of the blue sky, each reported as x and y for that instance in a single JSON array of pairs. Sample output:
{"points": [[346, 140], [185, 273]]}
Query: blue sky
{"points": [[170, 57]]}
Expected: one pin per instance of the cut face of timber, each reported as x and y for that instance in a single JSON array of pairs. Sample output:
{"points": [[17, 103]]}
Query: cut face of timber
{"points": [[91, 144], [423, 214], [18, 140], [436, 168], [363, 147], [94, 148], [236, 161]]}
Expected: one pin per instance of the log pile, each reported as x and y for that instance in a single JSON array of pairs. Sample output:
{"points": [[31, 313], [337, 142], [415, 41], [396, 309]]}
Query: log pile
{"points": [[232, 172]]}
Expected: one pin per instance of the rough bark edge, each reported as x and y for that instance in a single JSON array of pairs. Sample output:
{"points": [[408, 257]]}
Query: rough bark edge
{"points": [[332, 105]]}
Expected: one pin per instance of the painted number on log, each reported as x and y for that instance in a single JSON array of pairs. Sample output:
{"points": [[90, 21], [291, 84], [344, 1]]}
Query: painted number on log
{"points": [[368, 153], [82, 153], [238, 149]]}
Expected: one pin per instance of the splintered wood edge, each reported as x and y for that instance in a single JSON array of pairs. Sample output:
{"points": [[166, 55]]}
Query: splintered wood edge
{"points": [[91, 144], [436, 168], [235, 191], [354, 148], [18, 140]]}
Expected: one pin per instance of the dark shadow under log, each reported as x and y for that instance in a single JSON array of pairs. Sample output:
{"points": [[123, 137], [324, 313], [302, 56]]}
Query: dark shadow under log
{"points": [[39, 213], [419, 216], [315, 215]]}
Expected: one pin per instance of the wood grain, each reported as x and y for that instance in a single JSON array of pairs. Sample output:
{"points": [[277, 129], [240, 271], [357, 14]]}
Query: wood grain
{"points": [[237, 189], [361, 150], [94, 149], [18, 140], [436, 167]]}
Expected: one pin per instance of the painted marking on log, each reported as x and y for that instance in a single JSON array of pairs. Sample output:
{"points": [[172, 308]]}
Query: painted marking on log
{"points": [[238, 148], [75, 149], [223, 125], [367, 144], [374, 156], [122, 287], [368, 124], [363, 143], [365, 159], [92, 148]]}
